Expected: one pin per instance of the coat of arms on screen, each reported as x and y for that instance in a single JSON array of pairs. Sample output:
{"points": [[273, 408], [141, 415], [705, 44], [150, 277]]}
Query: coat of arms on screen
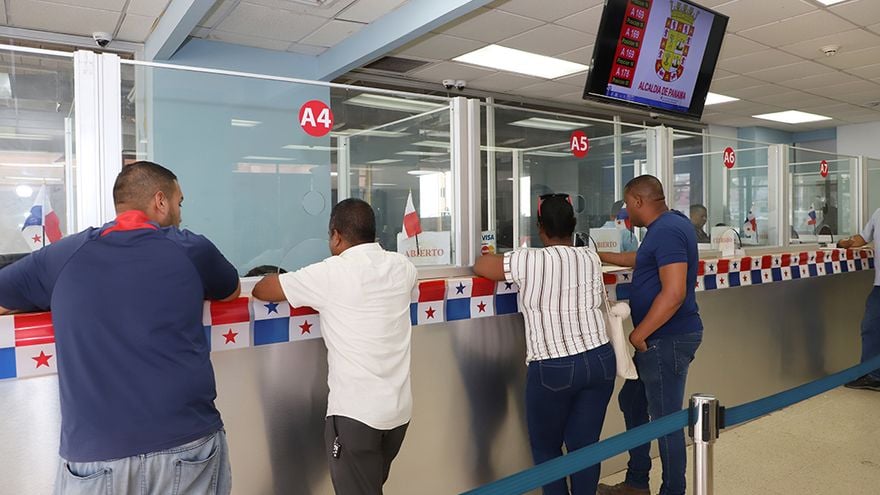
{"points": [[676, 42]]}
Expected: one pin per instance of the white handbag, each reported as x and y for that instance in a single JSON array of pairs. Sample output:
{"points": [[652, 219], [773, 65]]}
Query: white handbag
{"points": [[614, 316]]}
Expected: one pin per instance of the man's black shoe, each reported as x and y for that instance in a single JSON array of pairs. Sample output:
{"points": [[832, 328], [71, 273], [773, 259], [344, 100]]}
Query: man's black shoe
{"points": [[865, 383]]}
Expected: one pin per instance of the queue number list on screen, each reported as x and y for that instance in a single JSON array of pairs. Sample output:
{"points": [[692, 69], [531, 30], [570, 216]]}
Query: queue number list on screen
{"points": [[658, 54]]}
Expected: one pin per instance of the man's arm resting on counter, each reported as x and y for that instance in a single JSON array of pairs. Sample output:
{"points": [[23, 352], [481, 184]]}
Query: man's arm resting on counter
{"points": [[269, 289], [855, 241], [4, 311], [673, 290], [619, 259], [490, 266], [234, 295]]}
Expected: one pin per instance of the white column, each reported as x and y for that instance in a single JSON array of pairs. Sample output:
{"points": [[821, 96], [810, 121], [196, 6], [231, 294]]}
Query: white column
{"points": [[779, 197]]}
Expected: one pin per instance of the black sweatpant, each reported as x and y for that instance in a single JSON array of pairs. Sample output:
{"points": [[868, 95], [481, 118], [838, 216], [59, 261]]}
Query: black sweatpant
{"points": [[365, 455]]}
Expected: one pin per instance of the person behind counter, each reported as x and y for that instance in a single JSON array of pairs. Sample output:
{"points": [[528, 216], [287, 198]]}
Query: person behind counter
{"points": [[699, 217], [628, 241], [363, 295], [134, 370], [871, 319], [571, 365], [667, 331]]}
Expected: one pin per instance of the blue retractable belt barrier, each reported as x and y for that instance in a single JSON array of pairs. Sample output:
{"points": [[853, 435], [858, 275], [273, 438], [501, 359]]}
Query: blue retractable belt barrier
{"points": [[577, 460]]}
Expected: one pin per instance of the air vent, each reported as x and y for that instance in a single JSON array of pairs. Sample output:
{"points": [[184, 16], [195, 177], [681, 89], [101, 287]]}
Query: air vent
{"points": [[396, 65]]}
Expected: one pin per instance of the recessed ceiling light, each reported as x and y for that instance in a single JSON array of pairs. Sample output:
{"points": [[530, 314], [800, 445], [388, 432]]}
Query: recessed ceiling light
{"points": [[384, 161], [548, 153], [24, 137], [433, 144], [715, 98], [305, 147], [393, 103], [383, 184], [421, 153], [244, 123], [423, 172], [792, 117], [511, 60], [830, 2], [549, 124], [269, 158], [368, 132]]}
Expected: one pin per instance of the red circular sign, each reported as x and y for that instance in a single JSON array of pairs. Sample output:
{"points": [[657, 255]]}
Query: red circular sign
{"points": [[579, 144], [823, 168], [316, 118], [729, 157]]}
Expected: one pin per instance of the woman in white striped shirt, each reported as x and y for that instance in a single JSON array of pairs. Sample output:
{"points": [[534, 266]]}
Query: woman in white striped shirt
{"points": [[571, 365]]}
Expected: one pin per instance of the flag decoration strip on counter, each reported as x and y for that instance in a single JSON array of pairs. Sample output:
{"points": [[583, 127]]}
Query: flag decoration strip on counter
{"points": [[27, 341]]}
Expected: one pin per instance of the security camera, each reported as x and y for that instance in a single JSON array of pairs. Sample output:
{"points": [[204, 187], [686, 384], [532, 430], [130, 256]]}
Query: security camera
{"points": [[460, 84], [654, 115], [102, 39], [448, 83]]}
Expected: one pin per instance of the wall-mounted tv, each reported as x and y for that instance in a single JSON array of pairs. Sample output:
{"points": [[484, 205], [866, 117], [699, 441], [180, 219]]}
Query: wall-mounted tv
{"points": [[656, 54]]}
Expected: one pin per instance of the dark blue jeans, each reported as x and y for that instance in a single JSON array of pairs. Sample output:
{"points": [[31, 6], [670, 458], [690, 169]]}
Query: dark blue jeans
{"points": [[659, 391], [566, 400], [871, 328]]}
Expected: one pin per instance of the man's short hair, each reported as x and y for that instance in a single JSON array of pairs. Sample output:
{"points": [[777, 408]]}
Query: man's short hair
{"points": [[645, 186], [557, 217], [138, 182], [354, 220], [698, 208]]}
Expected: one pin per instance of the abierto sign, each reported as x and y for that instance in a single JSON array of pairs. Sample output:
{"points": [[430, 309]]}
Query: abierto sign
{"points": [[607, 240], [426, 249]]}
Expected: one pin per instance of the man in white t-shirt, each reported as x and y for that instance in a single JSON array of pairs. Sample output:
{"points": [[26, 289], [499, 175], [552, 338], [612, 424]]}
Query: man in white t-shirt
{"points": [[871, 320], [363, 294]]}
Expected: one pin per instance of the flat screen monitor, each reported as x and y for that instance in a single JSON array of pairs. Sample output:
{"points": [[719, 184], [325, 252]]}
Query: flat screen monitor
{"points": [[656, 54]]}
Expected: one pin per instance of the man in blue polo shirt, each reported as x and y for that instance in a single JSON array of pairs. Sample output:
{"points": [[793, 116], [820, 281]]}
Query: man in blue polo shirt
{"points": [[667, 331], [134, 371]]}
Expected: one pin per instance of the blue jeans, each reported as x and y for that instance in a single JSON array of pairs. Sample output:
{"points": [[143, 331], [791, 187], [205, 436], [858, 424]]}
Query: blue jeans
{"points": [[659, 391], [871, 329], [566, 400], [200, 467]]}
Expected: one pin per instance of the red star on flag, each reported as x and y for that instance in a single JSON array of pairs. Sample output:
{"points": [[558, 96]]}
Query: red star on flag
{"points": [[37, 239], [230, 336], [306, 328], [430, 312], [42, 359], [482, 307]]}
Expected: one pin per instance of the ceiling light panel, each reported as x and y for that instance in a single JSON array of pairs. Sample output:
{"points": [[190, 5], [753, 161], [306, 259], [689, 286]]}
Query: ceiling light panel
{"points": [[521, 62], [792, 117]]}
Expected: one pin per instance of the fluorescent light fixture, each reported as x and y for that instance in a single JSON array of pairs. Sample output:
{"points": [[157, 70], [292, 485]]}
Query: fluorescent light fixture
{"points": [[830, 2], [393, 103], [244, 123], [305, 147], [34, 179], [24, 191], [433, 144], [423, 172], [550, 124], [25, 137], [422, 153], [715, 98], [334, 174], [383, 184], [792, 117], [511, 60], [384, 161], [548, 153], [32, 165], [269, 158], [368, 132]]}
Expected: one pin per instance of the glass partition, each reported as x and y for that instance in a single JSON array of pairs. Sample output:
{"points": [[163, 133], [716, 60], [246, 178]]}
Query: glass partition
{"points": [[872, 189], [821, 201], [689, 162], [262, 161], [36, 150]]}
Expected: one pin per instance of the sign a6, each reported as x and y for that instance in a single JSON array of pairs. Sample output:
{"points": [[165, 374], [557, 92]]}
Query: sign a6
{"points": [[729, 157], [316, 118]]}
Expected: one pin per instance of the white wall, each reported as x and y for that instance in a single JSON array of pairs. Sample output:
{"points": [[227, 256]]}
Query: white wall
{"points": [[859, 139]]}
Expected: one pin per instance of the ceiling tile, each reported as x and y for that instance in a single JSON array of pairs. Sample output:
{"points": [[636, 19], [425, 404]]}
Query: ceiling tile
{"points": [[332, 33], [547, 89], [860, 97], [504, 81], [836, 90], [577, 80], [790, 98], [819, 80], [439, 47], [745, 14], [765, 90], [586, 21], [321, 11], [548, 39], [273, 24], [3, 12], [135, 28], [723, 85], [867, 71], [581, 55], [852, 59], [489, 26], [737, 46], [861, 12], [33, 14], [854, 39], [791, 71], [546, 11], [148, 8], [218, 12], [111, 5], [368, 10], [756, 61], [306, 49], [450, 70], [243, 39], [796, 29]]}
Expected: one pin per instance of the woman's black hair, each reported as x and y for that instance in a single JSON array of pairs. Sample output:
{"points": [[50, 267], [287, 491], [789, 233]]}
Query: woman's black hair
{"points": [[557, 217]]}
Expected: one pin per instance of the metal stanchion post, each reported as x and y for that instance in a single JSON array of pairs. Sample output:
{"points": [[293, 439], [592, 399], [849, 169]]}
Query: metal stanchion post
{"points": [[705, 423]]}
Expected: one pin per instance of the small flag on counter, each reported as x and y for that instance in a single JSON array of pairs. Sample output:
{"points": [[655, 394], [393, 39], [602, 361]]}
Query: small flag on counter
{"points": [[811, 216], [42, 226], [411, 223], [750, 226]]}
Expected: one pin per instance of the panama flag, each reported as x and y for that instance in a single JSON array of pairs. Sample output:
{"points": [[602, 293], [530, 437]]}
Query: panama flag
{"points": [[230, 324], [411, 224], [750, 226], [811, 216], [34, 345], [428, 303], [482, 298], [7, 347], [305, 324], [623, 221], [42, 225]]}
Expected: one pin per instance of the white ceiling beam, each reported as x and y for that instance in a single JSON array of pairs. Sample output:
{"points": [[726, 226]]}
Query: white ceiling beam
{"points": [[410, 21], [175, 25]]}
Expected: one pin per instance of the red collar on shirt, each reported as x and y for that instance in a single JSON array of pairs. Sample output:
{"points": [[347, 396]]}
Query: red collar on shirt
{"points": [[130, 220]]}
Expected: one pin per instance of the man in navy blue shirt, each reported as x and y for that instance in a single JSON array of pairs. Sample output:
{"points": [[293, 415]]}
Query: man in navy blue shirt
{"points": [[134, 371], [667, 331]]}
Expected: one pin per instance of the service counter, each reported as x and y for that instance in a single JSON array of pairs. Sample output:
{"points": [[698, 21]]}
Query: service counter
{"points": [[782, 319]]}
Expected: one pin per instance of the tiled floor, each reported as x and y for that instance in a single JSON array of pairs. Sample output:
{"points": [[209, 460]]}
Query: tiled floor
{"points": [[828, 445]]}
